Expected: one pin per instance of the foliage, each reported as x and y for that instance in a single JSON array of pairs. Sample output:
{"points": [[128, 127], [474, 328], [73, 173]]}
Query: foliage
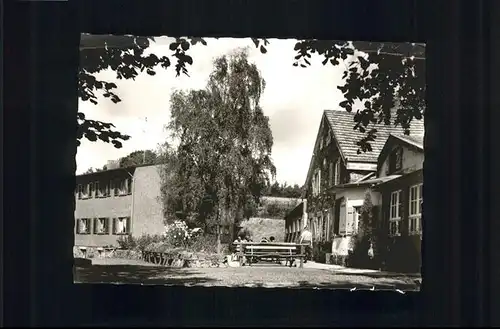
{"points": [[378, 76], [224, 155], [179, 235], [137, 158], [144, 240], [204, 243], [366, 240], [126, 242], [276, 209], [282, 190], [245, 233], [125, 55]]}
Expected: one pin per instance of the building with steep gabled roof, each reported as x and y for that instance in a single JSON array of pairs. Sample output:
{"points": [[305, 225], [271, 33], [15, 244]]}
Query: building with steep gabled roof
{"points": [[334, 188]]}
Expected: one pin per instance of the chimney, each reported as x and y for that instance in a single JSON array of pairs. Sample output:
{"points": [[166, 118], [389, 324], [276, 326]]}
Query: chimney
{"points": [[113, 164]]}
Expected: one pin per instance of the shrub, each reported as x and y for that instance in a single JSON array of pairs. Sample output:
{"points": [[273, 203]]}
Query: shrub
{"points": [[204, 243], [179, 235], [245, 233], [145, 240], [277, 209], [127, 242]]}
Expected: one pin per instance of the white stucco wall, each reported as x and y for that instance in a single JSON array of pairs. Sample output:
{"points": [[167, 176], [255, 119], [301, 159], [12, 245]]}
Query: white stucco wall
{"points": [[354, 197], [412, 161]]}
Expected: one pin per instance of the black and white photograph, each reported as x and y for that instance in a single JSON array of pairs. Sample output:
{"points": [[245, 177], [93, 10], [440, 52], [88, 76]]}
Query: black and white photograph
{"points": [[243, 162]]}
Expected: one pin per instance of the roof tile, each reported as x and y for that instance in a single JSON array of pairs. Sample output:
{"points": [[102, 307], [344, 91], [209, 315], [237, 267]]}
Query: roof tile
{"points": [[342, 123]]}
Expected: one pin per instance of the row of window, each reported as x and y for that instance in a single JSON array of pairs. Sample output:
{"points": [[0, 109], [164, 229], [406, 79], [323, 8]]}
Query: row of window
{"points": [[116, 187], [103, 225], [414, 214], [333, 176]]}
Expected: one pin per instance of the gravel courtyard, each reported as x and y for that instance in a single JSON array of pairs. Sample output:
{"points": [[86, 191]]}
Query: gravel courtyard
{"points": [[260, 275]]}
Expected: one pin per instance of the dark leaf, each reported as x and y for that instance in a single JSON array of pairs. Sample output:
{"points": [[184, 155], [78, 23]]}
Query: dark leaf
{"points": [[344, 104], [150, 72], [116, 144], [185, 46], [263, 49], [334, 61], [173, 46], [349, 51], [363, 62], [91, 136], [188, 60]]}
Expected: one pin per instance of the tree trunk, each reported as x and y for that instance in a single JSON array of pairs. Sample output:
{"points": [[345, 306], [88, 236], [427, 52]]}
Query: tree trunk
{"points": [[218, 223]]}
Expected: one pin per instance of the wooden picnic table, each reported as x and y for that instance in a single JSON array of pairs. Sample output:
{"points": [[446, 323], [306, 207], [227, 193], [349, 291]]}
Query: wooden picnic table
{"points": [[252, 251]]}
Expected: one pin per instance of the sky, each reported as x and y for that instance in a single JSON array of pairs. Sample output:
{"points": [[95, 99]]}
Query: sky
{"points": [[294, 100]]}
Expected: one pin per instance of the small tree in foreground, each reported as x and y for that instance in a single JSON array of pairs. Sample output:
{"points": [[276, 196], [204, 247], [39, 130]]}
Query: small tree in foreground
{"points": [[363, 242]]}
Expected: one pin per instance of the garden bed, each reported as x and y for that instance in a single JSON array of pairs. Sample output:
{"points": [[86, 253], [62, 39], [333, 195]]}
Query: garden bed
{"points": [[181, 258]]}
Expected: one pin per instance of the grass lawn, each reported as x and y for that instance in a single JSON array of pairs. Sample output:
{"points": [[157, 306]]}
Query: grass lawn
{"points": [[264, 275]]}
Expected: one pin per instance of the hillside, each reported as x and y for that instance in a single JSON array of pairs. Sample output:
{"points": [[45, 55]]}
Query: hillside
{"points": [[265, 227], [275, 207]]}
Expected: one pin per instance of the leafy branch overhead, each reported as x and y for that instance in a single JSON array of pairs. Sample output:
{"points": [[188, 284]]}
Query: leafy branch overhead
{"points": [[124, 55], [379, 77]]}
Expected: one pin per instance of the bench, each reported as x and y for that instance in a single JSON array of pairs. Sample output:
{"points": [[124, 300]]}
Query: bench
{"points": [[250, 252]]}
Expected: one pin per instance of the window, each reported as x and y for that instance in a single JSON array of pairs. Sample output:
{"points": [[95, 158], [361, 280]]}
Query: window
{"points": [[91, 190], [330, 174], [122, 225], [83, 191], [101, 226], [102, 190], [122, 187], [415, 206], [395, 214], [79, 189], [336, 180], [396, 160], [83, 226]]}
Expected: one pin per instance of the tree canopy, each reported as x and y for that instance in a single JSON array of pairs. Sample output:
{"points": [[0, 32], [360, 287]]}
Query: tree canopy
{"points": [[137, 158], [223, 159], [378, 77]]}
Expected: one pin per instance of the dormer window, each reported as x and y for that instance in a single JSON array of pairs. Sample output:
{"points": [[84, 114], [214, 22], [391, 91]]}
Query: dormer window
{"points": [[396, 160]]}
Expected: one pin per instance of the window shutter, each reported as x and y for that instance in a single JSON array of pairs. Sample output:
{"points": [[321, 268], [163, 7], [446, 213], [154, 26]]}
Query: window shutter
{"points": [[349, 220], [113, 224], [128, 231]]}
